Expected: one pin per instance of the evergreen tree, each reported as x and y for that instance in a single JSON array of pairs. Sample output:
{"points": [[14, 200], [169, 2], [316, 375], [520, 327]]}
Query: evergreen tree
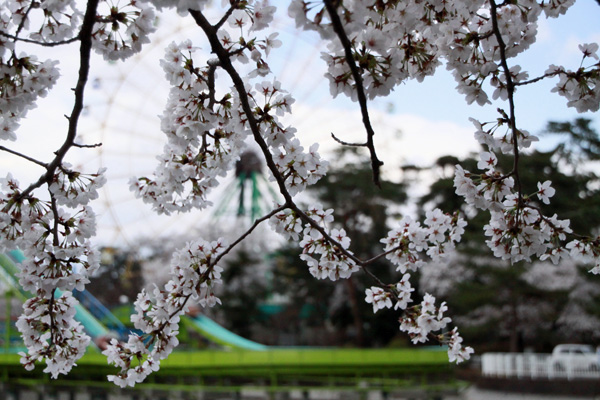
{"points": [[363, 210], [527, 304]]}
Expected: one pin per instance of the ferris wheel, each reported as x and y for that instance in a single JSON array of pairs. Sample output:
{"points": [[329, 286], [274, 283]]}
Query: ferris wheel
{"points": [[122, 111]]}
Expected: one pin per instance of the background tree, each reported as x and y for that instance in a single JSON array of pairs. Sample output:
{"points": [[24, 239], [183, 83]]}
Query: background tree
{"points": [[220, 101], [119, 278], [505, 306], [363, 211], [247, 272]]}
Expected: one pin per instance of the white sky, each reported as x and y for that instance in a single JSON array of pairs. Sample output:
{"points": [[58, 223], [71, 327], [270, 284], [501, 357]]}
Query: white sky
{"points": [[416, 124]]}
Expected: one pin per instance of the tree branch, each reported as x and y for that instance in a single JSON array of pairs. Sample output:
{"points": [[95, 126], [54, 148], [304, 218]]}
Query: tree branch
{"points": [[227, 15], [44, 44], [87, 146], [221, 53], [85, 36], [217, 48], [510, 88], [360, 91], [347, 143], [16, 153], [248, 232]]}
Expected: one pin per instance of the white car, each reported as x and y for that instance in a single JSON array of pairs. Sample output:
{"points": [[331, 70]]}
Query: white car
{"points": [[571, 357]]}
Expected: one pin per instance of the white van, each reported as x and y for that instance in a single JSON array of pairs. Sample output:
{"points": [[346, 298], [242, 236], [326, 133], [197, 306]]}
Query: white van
{"points": [[571, 357]]}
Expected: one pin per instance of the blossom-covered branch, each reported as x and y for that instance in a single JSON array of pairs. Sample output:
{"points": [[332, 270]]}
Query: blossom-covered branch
{"points": [[372, 48]]}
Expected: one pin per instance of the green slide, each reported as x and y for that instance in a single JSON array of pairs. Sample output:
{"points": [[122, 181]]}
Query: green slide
{"points": [[218, 334], [91, 325]]}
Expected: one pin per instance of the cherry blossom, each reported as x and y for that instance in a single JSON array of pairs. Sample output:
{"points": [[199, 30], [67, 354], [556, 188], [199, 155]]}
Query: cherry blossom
{"points": [[545, 191], [217, 105]]}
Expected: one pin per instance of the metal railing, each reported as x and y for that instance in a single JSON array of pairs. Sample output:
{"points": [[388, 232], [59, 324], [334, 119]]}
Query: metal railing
{"points": [[535, 366]]}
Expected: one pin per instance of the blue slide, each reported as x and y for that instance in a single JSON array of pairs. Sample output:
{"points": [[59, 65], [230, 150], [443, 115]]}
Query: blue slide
{"points": [[218, 334], [92, 326]]}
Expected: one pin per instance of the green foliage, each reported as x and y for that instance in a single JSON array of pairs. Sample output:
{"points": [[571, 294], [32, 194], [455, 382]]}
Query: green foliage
{"points": [[581, 139]]}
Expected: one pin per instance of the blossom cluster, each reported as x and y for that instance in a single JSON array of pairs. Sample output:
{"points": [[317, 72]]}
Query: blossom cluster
{"points": [[420, 322], [121, 29], [424, 319], [47, 21], [204, 136], [406, 248], [518, 229], [206, 132], [298, 167], [381, 298], [59, 259], [395, 41], [72, 188], [194, 275], [404, 245], [326, 258], [23, 79], [51, 332], [581, 88]]}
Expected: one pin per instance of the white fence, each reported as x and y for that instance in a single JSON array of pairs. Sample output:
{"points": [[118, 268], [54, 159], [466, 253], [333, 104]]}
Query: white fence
{"points": [[534, 366]]}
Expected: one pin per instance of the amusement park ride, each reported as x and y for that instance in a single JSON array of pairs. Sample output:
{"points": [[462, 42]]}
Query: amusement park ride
{"points": [[232, 363]]}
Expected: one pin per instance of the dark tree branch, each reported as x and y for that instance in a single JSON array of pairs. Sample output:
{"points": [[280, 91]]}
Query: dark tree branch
{"points": [[223, 55], [211, 84], [247, 233], [85, 49], [360, 91], [24, 19], [510, 88], [217, 48]]}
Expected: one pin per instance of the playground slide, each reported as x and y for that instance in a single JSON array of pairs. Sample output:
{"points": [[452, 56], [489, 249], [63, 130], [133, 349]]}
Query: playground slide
{"points": [[218, 334], [91, 325], [204, 325]]}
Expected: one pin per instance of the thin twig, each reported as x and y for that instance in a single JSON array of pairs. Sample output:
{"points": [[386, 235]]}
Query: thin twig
{"points": [[24, 19], [347, 143], [16, 153], [44, 44], [510, 88], [87, 146], [539, 78], [362, 98], [248, 232], [226, 15]]}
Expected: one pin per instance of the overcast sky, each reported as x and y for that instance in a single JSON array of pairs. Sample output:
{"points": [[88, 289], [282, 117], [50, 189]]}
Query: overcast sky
{"points": [[416, 124]]}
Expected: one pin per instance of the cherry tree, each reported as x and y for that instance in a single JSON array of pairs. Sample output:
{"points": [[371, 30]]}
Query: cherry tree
{"points": [[372, 47]]}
